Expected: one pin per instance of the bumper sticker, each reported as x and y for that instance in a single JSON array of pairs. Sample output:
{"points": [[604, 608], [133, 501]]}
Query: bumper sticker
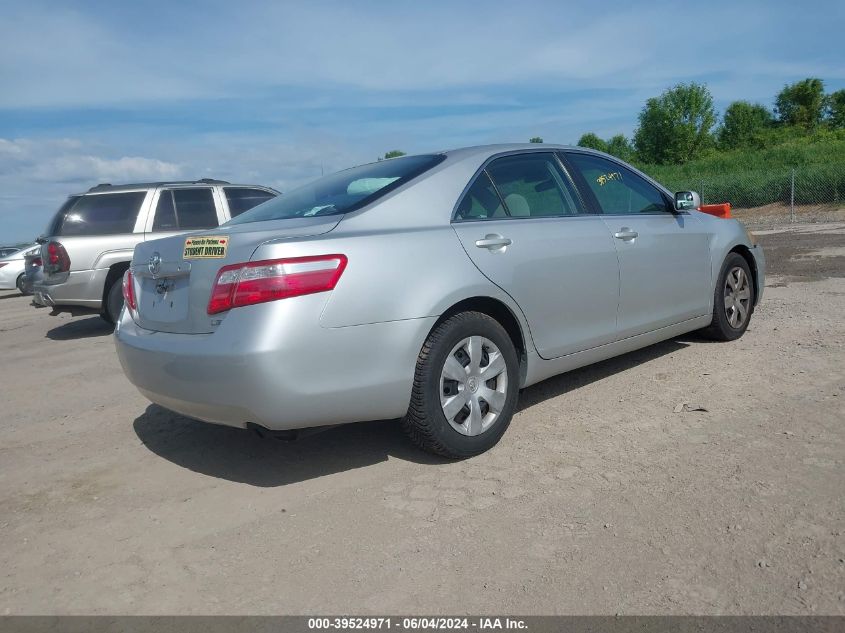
{"points": [[206, 247]]}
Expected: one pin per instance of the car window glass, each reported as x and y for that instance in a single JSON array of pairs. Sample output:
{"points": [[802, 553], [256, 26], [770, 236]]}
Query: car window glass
{"points": [[102, 214], [195, 208], [532, 185], [165, 215], [480, 201], [242, 199], [55, 226], [342, 192], [618, 189]]}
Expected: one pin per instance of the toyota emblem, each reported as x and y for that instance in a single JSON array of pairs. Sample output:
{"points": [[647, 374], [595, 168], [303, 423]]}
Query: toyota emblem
{"points": [[155, 264]]}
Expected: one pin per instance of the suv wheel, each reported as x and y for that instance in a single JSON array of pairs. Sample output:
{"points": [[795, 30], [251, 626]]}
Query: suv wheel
{"points": [[114, 302], [465, 387]]}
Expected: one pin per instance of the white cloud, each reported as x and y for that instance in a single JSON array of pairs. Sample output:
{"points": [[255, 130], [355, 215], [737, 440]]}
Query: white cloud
{"points": [[121, 55]]}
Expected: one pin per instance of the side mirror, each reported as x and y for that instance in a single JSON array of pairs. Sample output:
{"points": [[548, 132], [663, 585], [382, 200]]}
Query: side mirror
{"points": [[686, 200]]}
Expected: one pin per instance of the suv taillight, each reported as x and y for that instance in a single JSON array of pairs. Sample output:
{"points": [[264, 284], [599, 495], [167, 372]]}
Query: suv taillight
{"points": [[270, 279], [57, 258], [129, 290]]}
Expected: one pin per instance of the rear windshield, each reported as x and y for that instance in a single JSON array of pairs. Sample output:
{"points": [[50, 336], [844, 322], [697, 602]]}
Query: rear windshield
{"points": [[342, 192], [100, 214]]}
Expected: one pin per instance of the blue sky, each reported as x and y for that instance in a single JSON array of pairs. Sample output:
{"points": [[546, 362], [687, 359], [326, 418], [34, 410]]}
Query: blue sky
{"points": [[276, 92]]}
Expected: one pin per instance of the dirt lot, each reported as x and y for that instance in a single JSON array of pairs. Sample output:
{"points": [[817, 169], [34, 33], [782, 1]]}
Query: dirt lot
{"points": [[600, 498]]}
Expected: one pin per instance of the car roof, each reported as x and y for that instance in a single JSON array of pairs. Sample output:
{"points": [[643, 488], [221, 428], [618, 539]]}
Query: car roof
{"points": [[107, 187], [499, 148]]}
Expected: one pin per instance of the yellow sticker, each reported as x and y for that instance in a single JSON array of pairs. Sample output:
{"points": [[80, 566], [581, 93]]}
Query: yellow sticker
{"points": [[605, 178], [206, 247]]}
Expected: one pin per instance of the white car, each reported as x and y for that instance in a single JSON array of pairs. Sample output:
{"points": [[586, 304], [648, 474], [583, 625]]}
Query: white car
{"points": [[12, 268]]}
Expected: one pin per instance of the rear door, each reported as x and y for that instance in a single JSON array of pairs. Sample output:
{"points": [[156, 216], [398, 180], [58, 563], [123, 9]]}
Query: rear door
{"points": [[524, 226], [182, 209], [664, 256]]}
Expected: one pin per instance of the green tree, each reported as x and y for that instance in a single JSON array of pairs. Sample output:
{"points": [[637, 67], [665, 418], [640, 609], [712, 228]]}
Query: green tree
{"points": [[394, 153], [535, 139], [743, 125], [592, 141], [836, 109], [801, 103], [621, 147], [676, 126]]}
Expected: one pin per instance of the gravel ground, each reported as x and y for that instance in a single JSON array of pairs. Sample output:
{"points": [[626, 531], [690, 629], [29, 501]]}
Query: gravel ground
{"points": [[600, 499]]}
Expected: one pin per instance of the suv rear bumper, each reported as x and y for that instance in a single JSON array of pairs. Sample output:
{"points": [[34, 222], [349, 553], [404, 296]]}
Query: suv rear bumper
{"points": [[81, 288]]}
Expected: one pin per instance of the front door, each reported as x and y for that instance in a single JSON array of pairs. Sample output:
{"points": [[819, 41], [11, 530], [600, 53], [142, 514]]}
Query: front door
{"points": [[524, 226], [664, 257]]}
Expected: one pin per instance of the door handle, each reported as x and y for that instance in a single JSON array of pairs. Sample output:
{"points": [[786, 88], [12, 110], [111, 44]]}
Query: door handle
{"points": [[493, 241], [625, 234]]}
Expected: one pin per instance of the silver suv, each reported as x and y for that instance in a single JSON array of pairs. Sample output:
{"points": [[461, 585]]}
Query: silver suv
{"points": [[89, 242]]}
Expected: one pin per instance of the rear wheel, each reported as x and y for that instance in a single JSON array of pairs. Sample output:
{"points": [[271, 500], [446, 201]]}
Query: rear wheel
{"points": [[733, 302], [19, 284], [465, 387], [114, 302]]}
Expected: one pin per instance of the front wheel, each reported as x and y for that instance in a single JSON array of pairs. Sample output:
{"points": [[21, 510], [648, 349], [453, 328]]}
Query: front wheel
{"points": [[733, 301], [465, 387]]}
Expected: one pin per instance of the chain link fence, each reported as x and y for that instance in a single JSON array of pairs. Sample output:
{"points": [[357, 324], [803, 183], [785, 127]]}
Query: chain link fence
{"points": [[799, 194]]}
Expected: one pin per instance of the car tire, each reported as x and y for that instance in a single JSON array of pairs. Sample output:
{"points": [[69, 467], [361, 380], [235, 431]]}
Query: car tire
{"points": [[20, 284], [733, 300], [449, 413], [114, 302]]}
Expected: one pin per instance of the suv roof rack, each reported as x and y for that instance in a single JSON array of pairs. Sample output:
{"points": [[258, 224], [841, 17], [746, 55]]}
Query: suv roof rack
{"points": [[107, 186]]}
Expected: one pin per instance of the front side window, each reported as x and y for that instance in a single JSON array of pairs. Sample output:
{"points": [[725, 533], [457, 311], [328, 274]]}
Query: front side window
{"points": [[185, 210], [99, 214], [243, 199], [617, 189], [533, 185], [342, 192]]}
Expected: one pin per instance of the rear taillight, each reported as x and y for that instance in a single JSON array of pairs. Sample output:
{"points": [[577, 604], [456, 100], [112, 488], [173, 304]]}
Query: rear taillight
{"points": [[129, 290], [37, 262], [267, 280], [57, 258]]}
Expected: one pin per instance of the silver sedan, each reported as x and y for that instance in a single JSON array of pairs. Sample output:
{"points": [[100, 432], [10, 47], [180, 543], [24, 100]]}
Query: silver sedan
{"points": [[429, 288], [12, 269]]}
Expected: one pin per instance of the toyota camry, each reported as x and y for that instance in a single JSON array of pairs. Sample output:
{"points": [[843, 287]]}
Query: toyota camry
{"points": [[430, 288]]}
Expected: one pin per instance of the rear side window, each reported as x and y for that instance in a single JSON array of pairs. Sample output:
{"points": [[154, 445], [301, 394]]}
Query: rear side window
{"points": [[533, 185], [242, 199], [185, 209], [98, 214], [617, 189], [481, 201]]}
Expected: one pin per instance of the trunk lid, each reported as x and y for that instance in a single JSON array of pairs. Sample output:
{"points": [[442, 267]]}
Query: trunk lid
{"points": [[173, 290]]}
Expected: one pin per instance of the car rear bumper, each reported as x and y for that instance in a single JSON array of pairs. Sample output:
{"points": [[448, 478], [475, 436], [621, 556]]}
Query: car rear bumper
{"points": [[81, 288], [274, 365]]}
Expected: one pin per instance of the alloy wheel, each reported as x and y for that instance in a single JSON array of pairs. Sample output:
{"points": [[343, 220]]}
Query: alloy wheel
{"points": [[473, 385], [737, 297]]}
